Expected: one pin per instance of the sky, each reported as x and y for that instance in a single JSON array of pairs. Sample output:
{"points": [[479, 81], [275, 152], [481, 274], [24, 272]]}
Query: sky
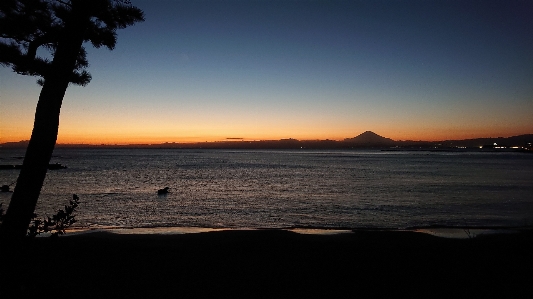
{"points": [[198, 71]]}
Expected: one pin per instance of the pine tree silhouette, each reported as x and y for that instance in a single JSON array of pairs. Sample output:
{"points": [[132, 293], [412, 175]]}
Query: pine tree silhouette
{"points": [[61, 27]]}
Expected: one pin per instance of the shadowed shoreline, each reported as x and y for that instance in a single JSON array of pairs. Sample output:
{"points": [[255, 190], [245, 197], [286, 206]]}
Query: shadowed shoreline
{"points": [[273, 264]]}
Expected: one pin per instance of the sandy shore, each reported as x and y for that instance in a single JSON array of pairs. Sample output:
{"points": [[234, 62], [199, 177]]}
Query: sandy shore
{"points": [[270, 264]]}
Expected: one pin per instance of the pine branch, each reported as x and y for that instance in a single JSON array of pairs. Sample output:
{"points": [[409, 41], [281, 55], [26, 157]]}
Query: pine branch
{"points": [[34, 24]]}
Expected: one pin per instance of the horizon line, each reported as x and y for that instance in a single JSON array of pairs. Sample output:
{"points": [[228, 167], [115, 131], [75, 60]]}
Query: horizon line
{"points": [[242, 139]]}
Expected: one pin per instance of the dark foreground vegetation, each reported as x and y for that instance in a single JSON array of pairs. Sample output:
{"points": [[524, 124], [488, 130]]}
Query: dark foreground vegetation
{"points": [[270, 264]]}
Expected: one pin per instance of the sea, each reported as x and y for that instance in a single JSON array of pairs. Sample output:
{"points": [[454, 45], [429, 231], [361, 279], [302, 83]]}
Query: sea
{"points": [[331, 189]]}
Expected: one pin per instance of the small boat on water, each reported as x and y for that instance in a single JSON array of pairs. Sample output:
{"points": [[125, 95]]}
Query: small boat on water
{"points": [[163, 191]]}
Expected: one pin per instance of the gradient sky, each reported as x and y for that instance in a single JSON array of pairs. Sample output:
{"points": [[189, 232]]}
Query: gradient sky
{"points": [[211, 70]]}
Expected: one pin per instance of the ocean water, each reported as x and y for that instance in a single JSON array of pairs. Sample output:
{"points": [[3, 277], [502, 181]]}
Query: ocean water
{"points": [[280, 189]]}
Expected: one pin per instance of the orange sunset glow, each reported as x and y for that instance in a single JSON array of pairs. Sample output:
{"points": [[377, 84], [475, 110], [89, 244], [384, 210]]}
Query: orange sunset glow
{"points": [[257, 75]]}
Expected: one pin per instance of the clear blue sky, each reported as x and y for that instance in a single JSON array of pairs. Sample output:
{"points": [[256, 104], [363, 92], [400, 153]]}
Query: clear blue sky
{"points": [[209, 70]]}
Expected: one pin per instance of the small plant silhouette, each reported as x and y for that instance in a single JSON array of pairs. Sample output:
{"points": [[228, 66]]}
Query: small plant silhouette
{"points": [[469, 234], [57, 224]]}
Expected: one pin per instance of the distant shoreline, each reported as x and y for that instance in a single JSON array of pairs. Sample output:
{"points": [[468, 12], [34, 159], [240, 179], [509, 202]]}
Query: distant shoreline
{"points": [[309, 145], [367, 140]]}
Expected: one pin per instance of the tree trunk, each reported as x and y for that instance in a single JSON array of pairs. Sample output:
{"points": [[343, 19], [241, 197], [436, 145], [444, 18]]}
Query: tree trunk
{"points": [[45, 128]]}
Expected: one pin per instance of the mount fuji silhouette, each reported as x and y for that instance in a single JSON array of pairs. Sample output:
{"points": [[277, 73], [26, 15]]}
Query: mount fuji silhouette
{"points": [[370, 138]]}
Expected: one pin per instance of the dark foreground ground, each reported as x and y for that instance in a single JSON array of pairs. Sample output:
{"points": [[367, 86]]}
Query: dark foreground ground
{"points": [[270, 264]]}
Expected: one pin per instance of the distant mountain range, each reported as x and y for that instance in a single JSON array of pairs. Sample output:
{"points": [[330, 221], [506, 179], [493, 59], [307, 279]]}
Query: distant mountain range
{"points": [[367, 139]]}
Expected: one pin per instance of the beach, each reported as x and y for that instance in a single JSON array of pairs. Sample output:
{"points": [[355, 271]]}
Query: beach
{"points": [[270, 264]]}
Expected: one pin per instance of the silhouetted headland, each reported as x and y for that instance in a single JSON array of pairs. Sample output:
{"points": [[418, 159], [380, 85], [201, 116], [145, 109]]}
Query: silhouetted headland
{"points": [[51, 166]]}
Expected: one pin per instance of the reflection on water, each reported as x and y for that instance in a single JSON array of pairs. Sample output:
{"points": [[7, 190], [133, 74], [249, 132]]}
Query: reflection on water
{"points": [[316, 231], [453, 233], [140, 231], [163, 230], [463, 233], [280, 189], [195, 230]]}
